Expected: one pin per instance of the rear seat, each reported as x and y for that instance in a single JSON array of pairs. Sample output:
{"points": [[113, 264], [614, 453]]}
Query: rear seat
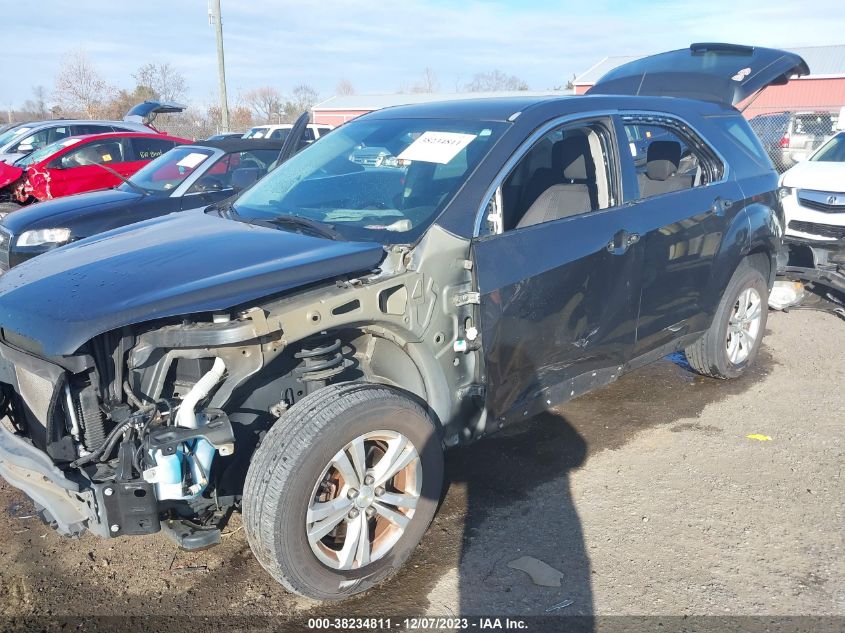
{"points": [[661, 175]]}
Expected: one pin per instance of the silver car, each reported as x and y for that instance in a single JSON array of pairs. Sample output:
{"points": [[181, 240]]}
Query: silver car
{"points": [[18, 141]]}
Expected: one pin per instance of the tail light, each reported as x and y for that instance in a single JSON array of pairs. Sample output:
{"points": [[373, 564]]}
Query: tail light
{"points": [[784, 141]]}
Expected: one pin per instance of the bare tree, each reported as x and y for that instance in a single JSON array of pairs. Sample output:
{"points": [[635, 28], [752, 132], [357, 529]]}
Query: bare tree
{"points": [[344, 87], [427, 83], [163, 81], [265, 102], [37, 106], [302, 99], [79, 87], [495, 80]]}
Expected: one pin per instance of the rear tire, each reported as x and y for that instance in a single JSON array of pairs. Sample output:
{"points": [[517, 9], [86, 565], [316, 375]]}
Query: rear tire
{"points": [[729, 347], [306, 469]]}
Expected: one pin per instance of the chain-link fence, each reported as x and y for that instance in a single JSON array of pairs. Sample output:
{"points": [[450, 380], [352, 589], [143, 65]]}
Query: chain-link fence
{"points": [[792, 133]]}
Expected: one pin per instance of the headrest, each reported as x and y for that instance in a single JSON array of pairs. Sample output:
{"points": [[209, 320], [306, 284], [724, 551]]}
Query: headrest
{"points": [[663, 159], [570, 156]]}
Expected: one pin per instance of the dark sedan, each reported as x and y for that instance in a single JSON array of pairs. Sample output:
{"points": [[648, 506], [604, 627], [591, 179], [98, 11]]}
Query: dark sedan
{"points": [[187, 177]]}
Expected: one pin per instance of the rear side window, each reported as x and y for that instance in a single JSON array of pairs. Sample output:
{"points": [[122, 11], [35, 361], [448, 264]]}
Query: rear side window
{"points": [[671, 157], [96, 153], [149, 148], [92, 129]]}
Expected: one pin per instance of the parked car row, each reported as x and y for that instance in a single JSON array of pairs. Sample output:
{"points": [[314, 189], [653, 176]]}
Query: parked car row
{"points": [[304, 349]]}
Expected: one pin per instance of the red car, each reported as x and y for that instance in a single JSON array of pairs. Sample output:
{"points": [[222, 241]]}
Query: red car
{"points": [[80, 163]]}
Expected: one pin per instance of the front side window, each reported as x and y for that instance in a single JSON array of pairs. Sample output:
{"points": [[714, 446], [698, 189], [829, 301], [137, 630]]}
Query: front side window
{"points": [[96, 153], [566, 173], [219, 175], [42, 137], [420, 165], [279, 135], [170, 170], [833, 151], [676, 158]]}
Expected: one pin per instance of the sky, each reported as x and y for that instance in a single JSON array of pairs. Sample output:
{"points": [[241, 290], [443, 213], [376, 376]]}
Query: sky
{"points": [[381, 47]]}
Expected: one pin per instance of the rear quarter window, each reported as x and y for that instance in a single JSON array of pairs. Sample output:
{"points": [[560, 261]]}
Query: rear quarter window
{"points": [[739, 131]]}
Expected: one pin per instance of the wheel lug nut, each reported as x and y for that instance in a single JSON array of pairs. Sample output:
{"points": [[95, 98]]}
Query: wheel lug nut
{"points": [[379, 491], [353, 513], [352, 493], [368, 480], [370, 512]]}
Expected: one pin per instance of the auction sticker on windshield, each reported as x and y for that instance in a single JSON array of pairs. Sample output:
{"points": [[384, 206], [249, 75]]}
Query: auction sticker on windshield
{"points": [[192, 160], [436, 147]]}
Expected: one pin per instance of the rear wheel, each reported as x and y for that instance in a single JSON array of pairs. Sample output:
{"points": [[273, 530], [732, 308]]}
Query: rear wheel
{"points": [[733, 341], [342, 489]]}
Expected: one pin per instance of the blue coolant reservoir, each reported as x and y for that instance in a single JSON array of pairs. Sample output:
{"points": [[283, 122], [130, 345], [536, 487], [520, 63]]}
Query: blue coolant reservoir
{"points": [[194, 456]]}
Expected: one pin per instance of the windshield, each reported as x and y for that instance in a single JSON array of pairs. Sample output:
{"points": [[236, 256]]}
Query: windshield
{"points": [[264, 132], [833, 151], [45, 152], [10, 135], [169, 170], [375, 180]]}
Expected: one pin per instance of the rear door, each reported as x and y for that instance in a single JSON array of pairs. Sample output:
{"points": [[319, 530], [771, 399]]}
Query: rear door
{"points": [[724, 73], [684, 202], [558, 295], [143, 149]]}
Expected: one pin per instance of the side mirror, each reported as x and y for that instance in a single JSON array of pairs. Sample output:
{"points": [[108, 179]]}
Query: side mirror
{"points": [[245, 177], [25, 148]]}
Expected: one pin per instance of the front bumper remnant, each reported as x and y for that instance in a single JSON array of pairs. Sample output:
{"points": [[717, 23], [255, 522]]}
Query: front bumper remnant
{"points": [[61, 500]]}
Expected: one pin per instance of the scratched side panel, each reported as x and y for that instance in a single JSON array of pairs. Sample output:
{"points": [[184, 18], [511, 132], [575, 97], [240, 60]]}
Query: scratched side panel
{"points": [[555, 303]]}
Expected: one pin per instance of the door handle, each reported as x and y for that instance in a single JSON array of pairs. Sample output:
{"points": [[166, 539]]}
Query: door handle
{"points": [[721, 205], [621, 241]]}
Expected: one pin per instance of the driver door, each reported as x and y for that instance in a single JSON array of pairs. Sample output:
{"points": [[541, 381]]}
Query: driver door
{"points": [[559, 291]]}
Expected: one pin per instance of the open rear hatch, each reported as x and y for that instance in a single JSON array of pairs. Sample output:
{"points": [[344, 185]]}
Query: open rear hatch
{"points": [[724, 73], [146, 112]]}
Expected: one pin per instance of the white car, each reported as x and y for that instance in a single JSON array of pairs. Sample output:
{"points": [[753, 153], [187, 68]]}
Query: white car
{"points": [[279, 132], [814, 208], [814, 203]]}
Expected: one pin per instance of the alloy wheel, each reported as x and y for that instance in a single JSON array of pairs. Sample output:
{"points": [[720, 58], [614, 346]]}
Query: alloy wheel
{"points": [[744, 325], [364, 500]]}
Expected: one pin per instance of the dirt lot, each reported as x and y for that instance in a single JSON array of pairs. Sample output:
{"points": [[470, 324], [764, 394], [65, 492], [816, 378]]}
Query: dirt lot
{"points": [[646, 495]]}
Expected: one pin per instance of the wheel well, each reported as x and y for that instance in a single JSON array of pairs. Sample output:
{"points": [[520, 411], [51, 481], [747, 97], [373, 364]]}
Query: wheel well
{"points": [[760, 259]]}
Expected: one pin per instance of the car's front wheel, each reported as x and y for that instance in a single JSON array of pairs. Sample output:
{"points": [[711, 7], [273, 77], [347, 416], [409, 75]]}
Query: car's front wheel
{"points": [[342, 489], [731, 344]]}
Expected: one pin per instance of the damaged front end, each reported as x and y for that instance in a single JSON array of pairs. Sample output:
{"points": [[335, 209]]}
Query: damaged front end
{"points": [[123, 437], [811, 274]]}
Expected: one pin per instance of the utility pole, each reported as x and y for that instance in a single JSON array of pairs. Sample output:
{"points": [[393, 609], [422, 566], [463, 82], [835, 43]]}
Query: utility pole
{"points": [[217, 21]]}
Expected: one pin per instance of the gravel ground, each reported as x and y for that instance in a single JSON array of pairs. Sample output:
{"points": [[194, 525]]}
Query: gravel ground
{"points": [[647, 496]]}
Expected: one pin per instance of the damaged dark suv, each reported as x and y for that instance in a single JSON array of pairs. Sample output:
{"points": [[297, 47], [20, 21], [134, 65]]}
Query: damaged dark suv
{"points": [[305, 353]]}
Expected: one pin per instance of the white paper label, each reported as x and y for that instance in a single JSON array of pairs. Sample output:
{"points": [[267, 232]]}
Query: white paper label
{"points": [[436, 147], [192, 160]]}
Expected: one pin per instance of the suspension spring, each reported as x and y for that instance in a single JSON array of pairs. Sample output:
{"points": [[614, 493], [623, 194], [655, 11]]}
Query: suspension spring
{"points": [[320, 362]]}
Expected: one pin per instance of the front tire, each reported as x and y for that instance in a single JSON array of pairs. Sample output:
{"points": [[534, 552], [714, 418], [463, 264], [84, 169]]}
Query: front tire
{"points": [[342, 489], [732, 342]]}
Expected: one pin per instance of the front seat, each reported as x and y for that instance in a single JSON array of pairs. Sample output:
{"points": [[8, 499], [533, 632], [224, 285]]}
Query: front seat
{"points": [[572, 190]]}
